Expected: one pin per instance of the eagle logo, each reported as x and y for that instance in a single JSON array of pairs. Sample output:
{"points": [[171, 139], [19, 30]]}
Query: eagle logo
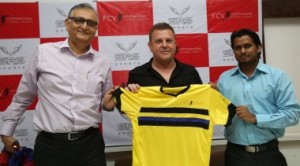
{"points": [[15, 50], [61, 12], [227, 42], [183, 11], [131, 46], [21, 120]]}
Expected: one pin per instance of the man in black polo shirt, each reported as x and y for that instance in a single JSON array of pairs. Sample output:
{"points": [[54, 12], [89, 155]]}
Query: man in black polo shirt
{"points": [[163, 69]]}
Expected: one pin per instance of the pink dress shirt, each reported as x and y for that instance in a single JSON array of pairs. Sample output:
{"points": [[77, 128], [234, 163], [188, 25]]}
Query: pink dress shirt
{"points": [[69, 88]]}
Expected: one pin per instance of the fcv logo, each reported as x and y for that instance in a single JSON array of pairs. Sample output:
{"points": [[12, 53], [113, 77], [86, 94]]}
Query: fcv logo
{"points": [[4, 93], [14, 51], [222, 16], [2, 20]]}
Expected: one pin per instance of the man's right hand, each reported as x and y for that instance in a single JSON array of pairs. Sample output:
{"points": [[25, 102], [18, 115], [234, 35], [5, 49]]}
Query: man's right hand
{"points": [[133, 87], [214, 86], [108, 100], [8, 142]]}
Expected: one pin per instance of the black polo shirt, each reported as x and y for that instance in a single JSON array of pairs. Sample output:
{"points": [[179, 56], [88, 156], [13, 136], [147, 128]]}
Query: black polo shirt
{"points": [[145, 75]]}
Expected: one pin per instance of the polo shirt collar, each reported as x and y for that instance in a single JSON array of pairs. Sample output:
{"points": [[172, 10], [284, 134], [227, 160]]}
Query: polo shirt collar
{"points": [[178, 64]]}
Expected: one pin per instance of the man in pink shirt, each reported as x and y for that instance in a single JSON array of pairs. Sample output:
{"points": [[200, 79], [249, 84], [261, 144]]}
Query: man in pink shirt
{"points": [[70, 78]]}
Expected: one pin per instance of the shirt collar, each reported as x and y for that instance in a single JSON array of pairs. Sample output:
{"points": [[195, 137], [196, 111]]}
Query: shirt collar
{"points": [[149, 65], [261, 67], [65, 45]]}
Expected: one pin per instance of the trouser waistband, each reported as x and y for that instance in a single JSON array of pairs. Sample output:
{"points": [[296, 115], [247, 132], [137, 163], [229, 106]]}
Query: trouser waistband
{"points": [[71, 136], [256, 148]]}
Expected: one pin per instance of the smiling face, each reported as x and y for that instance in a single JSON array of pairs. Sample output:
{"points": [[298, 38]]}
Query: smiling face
{"points": [[79, 26], [163, 45], [245, 50]]}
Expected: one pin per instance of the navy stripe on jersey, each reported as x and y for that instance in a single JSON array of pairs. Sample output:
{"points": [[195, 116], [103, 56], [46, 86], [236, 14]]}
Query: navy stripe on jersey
{"points": [[175, 110], [177, 122]]}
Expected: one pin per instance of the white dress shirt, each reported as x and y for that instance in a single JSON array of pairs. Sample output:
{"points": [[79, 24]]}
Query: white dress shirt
{"points": [[69, 89]]}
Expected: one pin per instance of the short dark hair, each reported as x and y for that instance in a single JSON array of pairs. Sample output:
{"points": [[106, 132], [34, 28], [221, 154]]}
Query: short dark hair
{"points": [[160, 26], [242, 32], [81, 6]]}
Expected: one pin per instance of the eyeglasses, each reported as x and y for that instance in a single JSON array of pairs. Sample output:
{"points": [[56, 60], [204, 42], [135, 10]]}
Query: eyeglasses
{"points": [[81, 21]]}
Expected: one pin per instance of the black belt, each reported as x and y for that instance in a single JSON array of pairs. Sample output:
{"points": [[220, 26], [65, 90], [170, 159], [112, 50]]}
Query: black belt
{"points": [[74, 135], [256, 148]]}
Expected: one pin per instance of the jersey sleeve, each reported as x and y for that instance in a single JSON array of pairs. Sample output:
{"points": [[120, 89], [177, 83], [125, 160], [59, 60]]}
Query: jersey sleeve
{"points": [[223, 109], [117, 95], [127, 101]]}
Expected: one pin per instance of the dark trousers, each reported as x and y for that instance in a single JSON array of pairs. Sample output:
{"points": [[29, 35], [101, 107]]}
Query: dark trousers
{"points": [[87, 151], [238, 157]]}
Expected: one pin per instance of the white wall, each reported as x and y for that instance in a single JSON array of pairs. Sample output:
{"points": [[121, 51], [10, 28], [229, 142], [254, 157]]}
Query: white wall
{"points": [[282, 49], [282, 44]]}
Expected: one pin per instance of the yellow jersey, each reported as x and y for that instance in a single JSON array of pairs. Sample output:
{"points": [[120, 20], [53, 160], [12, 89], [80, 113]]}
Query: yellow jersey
{"points": [[173, 126]]}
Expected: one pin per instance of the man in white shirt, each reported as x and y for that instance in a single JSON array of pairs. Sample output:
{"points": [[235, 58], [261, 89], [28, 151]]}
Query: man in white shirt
{"points": [[70, 78]]}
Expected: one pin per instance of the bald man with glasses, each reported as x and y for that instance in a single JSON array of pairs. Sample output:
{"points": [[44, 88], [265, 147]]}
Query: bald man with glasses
{"points": [[70, 78]]}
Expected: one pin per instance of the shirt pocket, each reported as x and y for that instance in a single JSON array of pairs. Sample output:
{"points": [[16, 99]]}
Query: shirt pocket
{"points": [[93, 85], [266, 93]]}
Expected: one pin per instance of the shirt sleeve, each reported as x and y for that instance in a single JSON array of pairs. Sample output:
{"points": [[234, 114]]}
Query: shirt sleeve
{"points": [[108, 80], [23, 98], [288, 108], [131, 77], [197, 77]]}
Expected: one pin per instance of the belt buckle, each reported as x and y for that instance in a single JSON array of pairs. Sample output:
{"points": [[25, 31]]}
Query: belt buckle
{"points": [[70, 138], [251, 149]]}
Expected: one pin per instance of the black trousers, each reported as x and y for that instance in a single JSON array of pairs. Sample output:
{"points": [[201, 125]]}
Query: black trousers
{"points": [[238, 157], [87, 151]]}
